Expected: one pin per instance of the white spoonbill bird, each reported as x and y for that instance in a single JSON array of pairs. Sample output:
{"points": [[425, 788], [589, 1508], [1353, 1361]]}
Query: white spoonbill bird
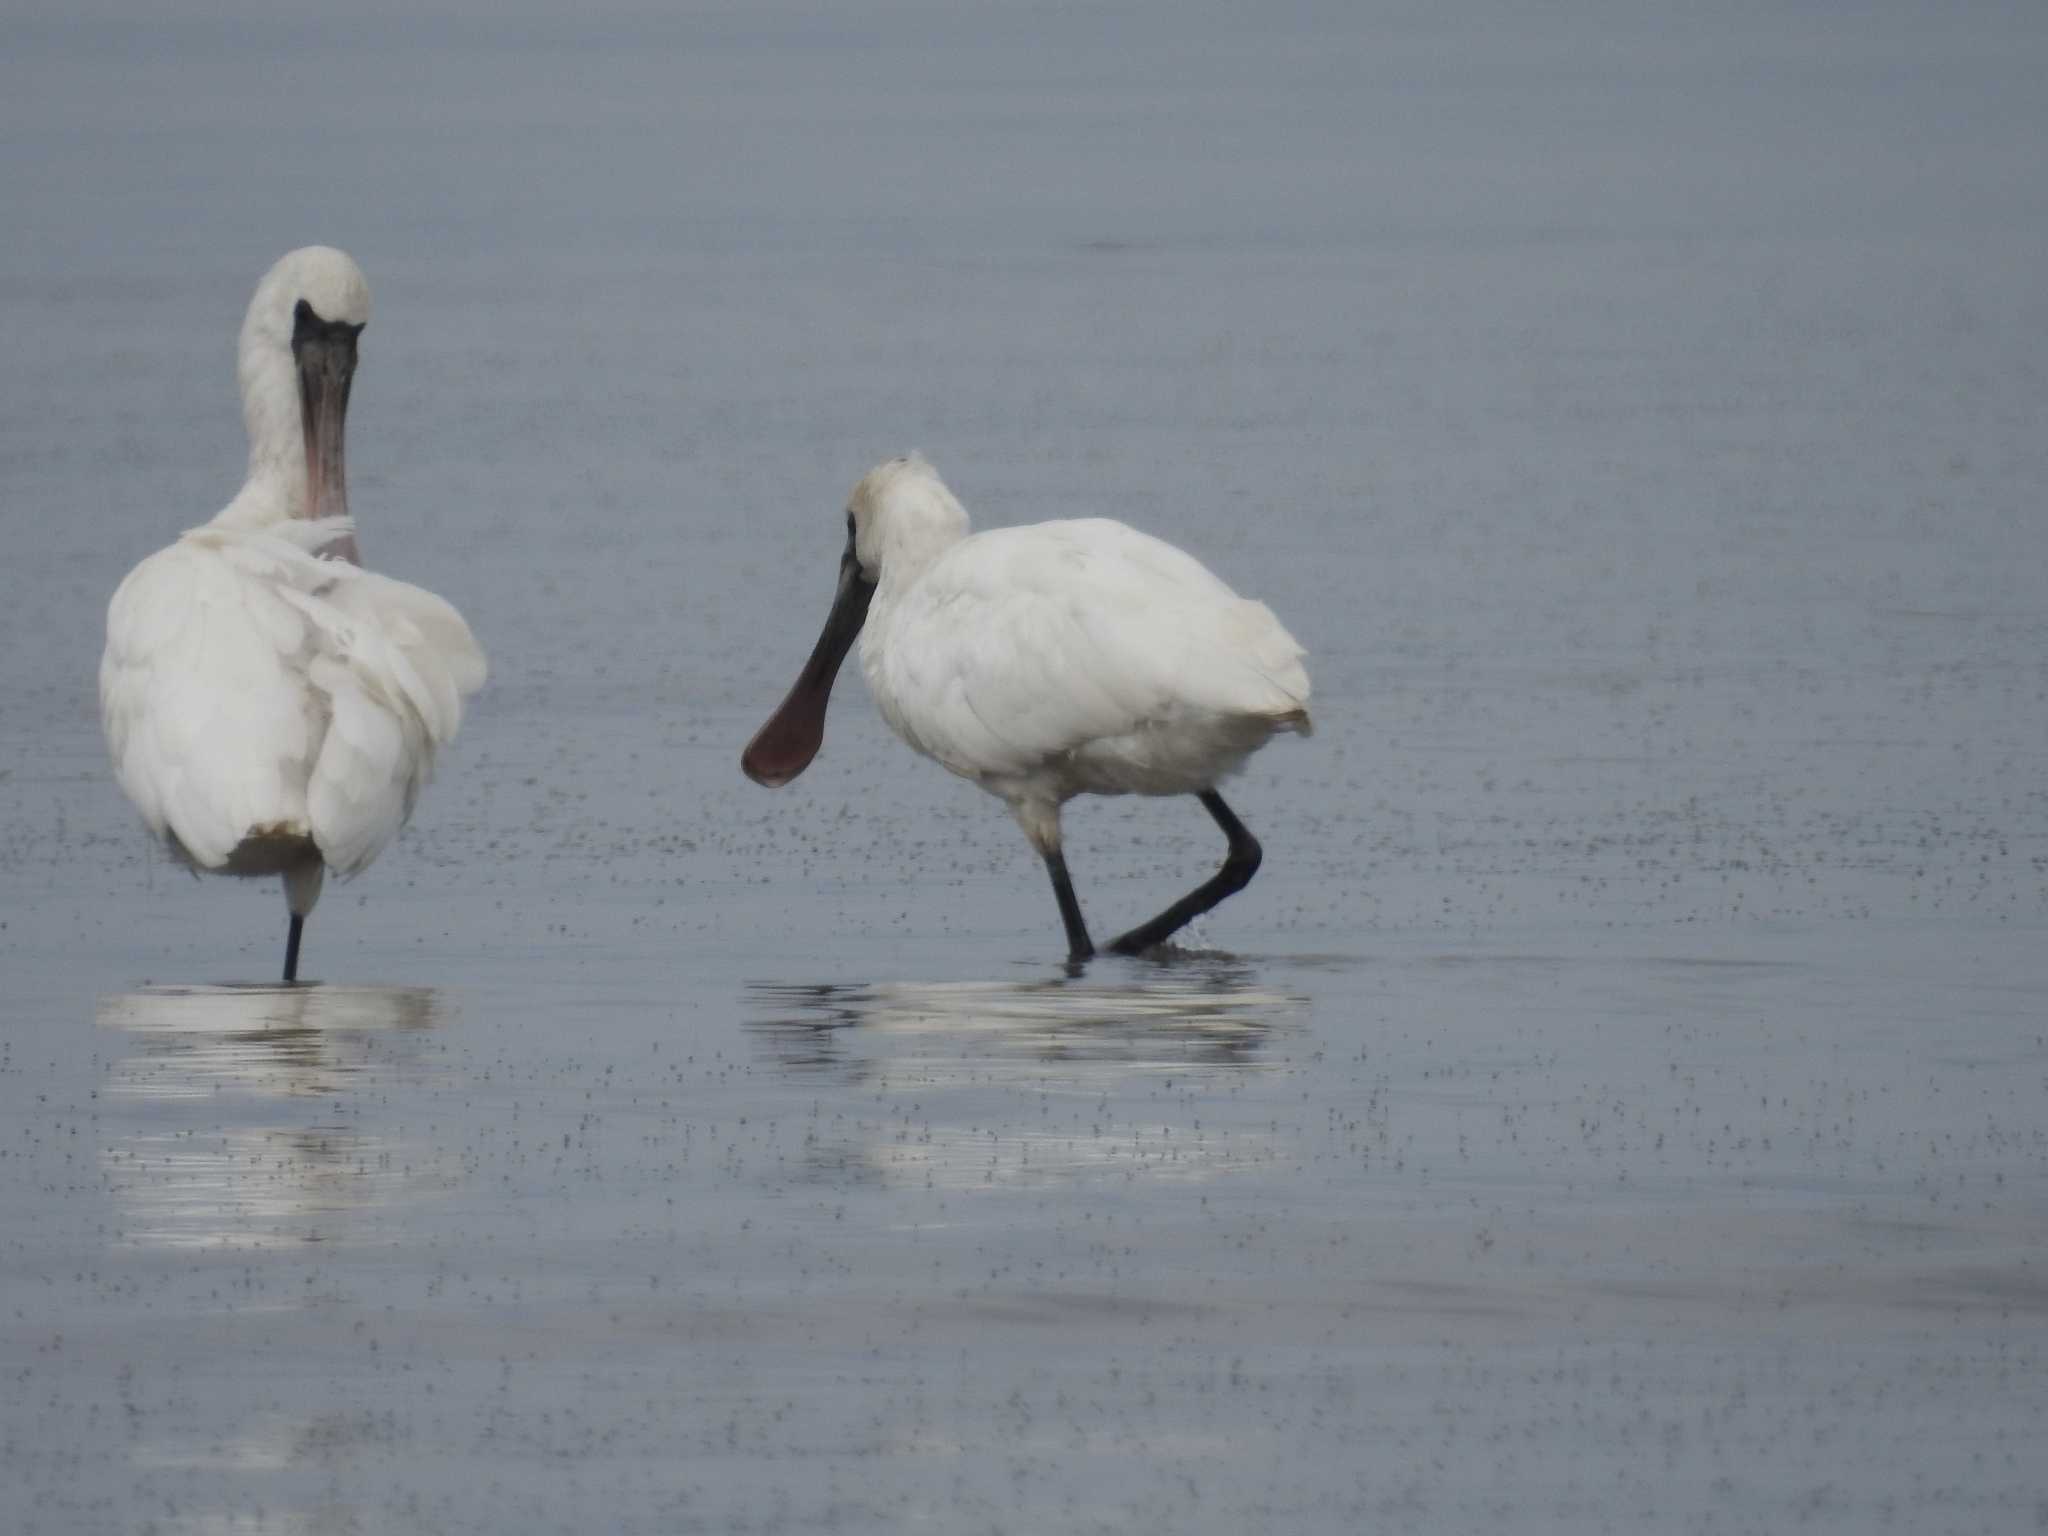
{"points": [[272, 707], [1061, 659]]}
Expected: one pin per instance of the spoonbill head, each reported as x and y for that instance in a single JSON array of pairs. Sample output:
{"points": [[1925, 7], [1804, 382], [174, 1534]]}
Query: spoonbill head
{"points": [[297, 361], [271, 707], [1065, 658], [902, 512]]}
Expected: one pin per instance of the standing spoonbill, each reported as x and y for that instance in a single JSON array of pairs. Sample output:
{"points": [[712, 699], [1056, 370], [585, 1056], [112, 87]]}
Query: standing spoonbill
{"points": [[273, 708], [1061, 659]]}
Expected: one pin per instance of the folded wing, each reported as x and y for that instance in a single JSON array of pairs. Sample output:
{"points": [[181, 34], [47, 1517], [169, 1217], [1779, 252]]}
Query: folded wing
{"points": [[250, 687], [1024, 644]]}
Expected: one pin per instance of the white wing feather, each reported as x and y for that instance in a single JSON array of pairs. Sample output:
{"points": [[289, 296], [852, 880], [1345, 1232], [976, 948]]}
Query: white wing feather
{"points": [[1019, 646], [249, 685]]}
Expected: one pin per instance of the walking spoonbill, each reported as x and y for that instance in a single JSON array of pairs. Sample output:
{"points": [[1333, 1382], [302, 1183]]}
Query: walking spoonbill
{"points": [[273, 708], [1061, 659]]}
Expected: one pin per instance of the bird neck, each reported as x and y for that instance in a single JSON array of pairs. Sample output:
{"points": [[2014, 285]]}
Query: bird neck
{"points": [[275, 490], [910, 545]]}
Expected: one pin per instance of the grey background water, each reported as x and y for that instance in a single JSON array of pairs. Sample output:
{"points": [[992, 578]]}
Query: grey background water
{"points": [[1617, 1105]]}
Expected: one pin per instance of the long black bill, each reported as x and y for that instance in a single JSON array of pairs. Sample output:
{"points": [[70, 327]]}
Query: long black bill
{"points": [[325, 351], [784, 747]]}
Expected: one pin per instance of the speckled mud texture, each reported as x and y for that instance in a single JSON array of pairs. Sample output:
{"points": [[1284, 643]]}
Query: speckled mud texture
{"points": [[1621, 1101]]}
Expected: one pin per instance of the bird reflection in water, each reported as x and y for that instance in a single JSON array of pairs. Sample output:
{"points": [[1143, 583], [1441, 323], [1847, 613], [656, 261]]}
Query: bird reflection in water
{"points": [[1209, 1016], [1036, 1083], [279, 1155]]}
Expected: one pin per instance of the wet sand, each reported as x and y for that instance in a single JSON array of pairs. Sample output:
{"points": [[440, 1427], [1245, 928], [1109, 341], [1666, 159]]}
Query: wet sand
{"points": [[1618, 1104]]}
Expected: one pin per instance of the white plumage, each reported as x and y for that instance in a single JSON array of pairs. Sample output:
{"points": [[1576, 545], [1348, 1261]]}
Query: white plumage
{"points": [[271, 707], [1065, 658], [1079, 658]]}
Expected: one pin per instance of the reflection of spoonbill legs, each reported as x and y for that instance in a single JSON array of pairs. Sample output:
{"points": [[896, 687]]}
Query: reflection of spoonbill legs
{"points": [[1062, 659], [272, 707]]}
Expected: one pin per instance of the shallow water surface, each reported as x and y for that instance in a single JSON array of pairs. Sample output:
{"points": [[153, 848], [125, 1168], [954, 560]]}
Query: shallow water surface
{"points": [[1618, 1104], [1427, 1232]]}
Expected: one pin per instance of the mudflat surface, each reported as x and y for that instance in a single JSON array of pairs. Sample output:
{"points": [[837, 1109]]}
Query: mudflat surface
{"points": [[1617, 1105]]}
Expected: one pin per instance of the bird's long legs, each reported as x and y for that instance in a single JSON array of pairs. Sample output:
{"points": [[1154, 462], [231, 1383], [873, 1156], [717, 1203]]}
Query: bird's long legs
{"points": [[1239, 865], [291, 947], [302, 882], [1079, 945]]}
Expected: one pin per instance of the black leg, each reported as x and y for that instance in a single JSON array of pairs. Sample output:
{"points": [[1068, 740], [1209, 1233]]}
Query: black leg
{"points": [[1239, 865], [291, 948], [1079, 945]]}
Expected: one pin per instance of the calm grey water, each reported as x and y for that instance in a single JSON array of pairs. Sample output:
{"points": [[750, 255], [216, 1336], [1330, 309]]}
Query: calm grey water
{"points": [[1618, 1104]]}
